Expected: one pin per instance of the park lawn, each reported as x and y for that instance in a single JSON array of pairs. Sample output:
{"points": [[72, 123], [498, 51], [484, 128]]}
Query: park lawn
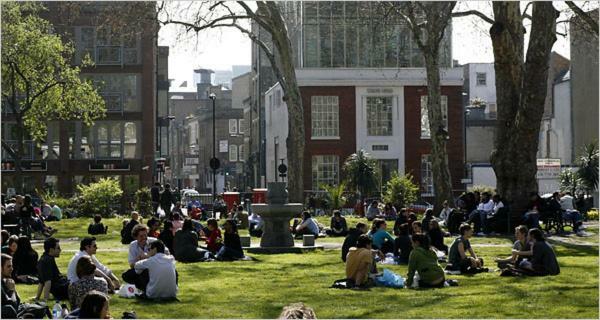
{"points": [[259, 289]]}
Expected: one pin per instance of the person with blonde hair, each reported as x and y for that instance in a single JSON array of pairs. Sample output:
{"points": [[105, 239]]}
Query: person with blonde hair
{"points": [[297, 311]]}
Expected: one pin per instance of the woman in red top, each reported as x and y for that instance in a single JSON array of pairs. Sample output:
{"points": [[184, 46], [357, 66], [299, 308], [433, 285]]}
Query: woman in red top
{"points": [[213, 236]]}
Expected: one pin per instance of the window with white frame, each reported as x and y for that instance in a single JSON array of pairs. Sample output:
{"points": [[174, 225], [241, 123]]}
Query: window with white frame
{"points": [[241, 126], [426, 175], [379, 116], [325, 170], [241, 154], [233, 125], [481, 78], [425, 132], [325, 116], [233, 153]]}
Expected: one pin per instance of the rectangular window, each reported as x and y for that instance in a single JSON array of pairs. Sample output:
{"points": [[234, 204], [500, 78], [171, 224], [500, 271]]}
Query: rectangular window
{"points": [[325, 116], [325, 170], [241, 126], [241, 154], [379, 116], [481, 78], [109, 139], [379, 147], [120, 91], [233, 126], [426, 176], [233, 153], [425, 130]]}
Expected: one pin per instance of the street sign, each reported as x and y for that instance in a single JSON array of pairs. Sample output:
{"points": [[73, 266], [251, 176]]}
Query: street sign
{"points": [[548, 168]]}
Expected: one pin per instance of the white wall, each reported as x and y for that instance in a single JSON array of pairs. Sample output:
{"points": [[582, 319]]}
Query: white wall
{"points": [[556, 133], [484, 175], [487, 92], [276, 121], [395, 142]]}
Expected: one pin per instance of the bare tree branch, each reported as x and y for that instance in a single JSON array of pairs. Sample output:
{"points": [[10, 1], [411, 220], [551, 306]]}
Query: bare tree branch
{"points": [[475, 13], [591, 22]]}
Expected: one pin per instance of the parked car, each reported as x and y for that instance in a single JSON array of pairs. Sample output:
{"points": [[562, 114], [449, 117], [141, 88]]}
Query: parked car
{"points": [[420, 206]]}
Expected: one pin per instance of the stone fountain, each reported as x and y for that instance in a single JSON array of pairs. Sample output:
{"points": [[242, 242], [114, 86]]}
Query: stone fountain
{"points": [[276, 215]]}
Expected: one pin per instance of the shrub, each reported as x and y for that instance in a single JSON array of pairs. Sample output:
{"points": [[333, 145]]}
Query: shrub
{"points": [[143, 201], [593, 214], [401, 191], [570, 181], [483, 188], [53, 197], [98, 198]]}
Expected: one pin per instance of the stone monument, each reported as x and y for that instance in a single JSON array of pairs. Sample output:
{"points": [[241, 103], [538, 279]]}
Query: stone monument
{"points": [[276, 215]]}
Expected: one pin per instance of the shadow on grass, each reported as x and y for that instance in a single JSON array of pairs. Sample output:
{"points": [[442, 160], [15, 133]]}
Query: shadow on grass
{"points": [[568, 249]]}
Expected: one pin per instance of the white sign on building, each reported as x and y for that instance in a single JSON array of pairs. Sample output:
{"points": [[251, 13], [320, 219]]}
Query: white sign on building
{"points": [[548, 168], [191, 161], [223, 146]]}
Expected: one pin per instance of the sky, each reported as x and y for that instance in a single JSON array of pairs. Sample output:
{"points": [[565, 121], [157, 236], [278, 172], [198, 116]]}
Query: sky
{"points": [[219, 49]]}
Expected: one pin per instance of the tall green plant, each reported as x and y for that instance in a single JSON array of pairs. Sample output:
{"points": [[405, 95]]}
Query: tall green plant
{"points": [[588, 166], [99, 197], [143, 201], [401, 191], [362, 172], [570, 181], [335, 195]]}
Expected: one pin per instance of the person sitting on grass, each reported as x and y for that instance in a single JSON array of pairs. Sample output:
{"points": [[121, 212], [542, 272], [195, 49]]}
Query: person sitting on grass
{"points": [[521, 248], [339, 228], [382, 240], [97, 227], [412, 218], [51, 281], [166, 235], [11, 302], [416, 227], [94, 305], [153, 228], [403, 244], [373, 211], [401, 218], [88, 248], [232, 246], [423, 260], [457, 257], [352, 237], [5, 235], [25, 262], [445, 214], [138, 250], [185, 244], [11, 246], [212, 236], [307, 226], [56, 213], [255, 225], [126, 231], [543, 259], [428, 216], [177, 222], [359, 261], [86, 282], [162, 276], [436, 235], [389, 212]]}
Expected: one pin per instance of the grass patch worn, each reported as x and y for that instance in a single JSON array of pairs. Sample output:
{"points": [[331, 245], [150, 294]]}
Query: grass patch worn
{"points": [[259, 289]]}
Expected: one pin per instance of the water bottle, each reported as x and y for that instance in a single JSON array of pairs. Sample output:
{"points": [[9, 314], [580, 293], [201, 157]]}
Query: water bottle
{"points": [[64, 312], [56, 310]]}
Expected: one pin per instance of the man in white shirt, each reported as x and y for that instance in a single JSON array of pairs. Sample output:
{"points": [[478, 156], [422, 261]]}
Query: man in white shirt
{"points": [[307, 226], [255, 224], [569, 212], [162, 277], [138, 250], [485, 208], [88, 247]]}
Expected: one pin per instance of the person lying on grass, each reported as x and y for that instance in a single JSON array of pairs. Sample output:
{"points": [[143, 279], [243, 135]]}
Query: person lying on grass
{"points": [[424, 260], [521, 248], [457, 257]]}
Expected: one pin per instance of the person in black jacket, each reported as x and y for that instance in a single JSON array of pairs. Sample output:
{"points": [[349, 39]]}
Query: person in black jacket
{"points": [[155, 195], [352, 237], [166, 235], [543, 260], [166, 201], [185, 244], [436, 236], [403, 244], [338, 226], [25, 262], [126, 237], [232, 246]]}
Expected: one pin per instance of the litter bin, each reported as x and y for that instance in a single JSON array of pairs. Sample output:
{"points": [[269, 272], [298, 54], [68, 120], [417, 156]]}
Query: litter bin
{"points": [[259, 196], [230, 198]]}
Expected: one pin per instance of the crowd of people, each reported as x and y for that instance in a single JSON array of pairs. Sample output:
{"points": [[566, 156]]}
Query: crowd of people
{"points": [[154, 247]]}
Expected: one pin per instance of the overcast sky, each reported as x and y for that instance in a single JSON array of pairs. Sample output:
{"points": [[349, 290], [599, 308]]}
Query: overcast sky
{"points": [[219, 49]]}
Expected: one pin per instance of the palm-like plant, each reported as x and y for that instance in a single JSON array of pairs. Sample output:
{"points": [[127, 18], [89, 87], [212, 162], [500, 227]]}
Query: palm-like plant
{"points": [[588, 166], [362, 172], [335, 194]]}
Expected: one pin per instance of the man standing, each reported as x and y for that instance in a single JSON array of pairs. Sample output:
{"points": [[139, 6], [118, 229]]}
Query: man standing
{"points": [[10, 297], [51, 281], [155, 194], [88, 247], [162, 277], [138, 250], [166, 200]]}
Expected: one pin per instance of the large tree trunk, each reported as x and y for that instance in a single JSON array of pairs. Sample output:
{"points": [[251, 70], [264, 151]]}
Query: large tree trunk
{"points": [[442, 181], [520, 91], [286, 74]]}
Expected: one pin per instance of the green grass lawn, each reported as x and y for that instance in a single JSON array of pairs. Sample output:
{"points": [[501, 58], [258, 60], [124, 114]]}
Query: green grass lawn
{"points": [[259, 289]]}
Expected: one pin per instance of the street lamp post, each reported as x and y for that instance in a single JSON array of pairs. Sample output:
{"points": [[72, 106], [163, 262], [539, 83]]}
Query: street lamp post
{"points": [[466, 113], [214, 162]]}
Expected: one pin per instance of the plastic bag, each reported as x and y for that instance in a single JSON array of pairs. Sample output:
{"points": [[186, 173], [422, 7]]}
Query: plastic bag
{"points": [[128, 291], [390, 279]]}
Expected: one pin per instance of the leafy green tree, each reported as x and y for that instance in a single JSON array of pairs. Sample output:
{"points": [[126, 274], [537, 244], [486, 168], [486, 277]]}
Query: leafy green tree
{"points": [[401, 191], [143, 201], [588, 166], [335, 194], [362, 173], [38, 82]]}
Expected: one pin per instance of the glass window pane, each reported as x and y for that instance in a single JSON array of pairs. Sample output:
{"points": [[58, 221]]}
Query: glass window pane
{"points": [[379, 116]]}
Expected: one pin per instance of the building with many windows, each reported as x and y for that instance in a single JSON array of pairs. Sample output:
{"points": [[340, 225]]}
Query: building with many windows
{"points": [[363, 86], [122, 145]]}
